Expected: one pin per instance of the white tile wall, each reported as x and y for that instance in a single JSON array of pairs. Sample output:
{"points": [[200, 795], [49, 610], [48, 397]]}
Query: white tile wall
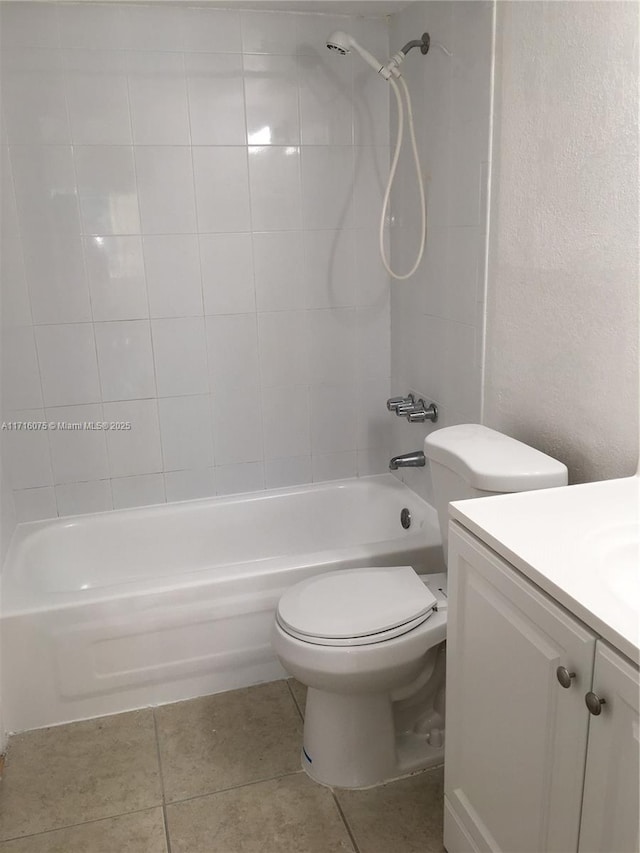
{"points": [[222, 188], [68, 364], [35, 77], [190, 484], [107, 189], [237, 427], [436, 317], [274, 173], [136, 450], [245, 477], [215, 86], [138, 491], [97, 97], [28, 452], [334, 466], [76, 498], [22, 388], [191, 249], [227, 273], [286, 422], [34, 504], [116, 275], [173, 275], [233, 352], [158, 98], [185, 430], [277, 365], [180, 356], [77, 456], [166, 194], [125, 360], [292, 471], [333, 418]]}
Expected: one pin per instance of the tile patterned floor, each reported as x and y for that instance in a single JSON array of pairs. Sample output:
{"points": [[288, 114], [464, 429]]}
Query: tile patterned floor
{"points": [[220, 774]]}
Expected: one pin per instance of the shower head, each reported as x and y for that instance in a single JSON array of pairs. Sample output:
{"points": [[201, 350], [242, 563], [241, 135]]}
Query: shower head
{"points": [[342, 43]]}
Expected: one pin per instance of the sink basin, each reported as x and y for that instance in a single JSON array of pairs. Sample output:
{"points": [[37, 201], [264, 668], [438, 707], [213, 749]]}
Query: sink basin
{"points": [[625, 583], [623, 564], [617, 551]]}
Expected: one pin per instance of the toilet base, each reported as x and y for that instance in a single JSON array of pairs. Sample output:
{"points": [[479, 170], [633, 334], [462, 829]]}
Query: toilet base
{"points": [[350, 741]]}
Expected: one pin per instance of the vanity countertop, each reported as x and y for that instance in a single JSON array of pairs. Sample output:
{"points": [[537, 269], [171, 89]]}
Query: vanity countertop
{"points": [[580, 544]]}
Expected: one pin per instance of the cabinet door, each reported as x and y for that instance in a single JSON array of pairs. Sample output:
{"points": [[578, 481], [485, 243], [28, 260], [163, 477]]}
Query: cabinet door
{"points": [[610, 805], [515, 739]]}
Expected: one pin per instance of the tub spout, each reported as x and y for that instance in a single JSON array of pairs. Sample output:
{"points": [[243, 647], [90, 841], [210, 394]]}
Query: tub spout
{"points": [[415, 459]]}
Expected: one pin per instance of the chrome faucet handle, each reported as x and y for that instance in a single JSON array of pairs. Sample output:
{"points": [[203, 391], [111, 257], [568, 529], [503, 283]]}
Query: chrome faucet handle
{"points": [[421, 412], [394, 402], [399, 405]]}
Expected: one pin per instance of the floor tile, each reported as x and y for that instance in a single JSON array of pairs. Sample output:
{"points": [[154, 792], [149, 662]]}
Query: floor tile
{"points": [[403, 816], [79, 772], [229, 739], [299, 694], [287, 815], [141, 832]]}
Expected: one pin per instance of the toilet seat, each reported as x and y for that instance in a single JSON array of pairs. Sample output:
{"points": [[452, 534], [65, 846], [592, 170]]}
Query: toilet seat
{"points": [[355, 607]]}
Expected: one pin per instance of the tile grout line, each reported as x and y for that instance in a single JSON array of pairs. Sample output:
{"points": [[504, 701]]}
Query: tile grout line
{"points": [[234, 788], [82, 823], [345, 822], [162, 792], [295, 701], [167, 837]]}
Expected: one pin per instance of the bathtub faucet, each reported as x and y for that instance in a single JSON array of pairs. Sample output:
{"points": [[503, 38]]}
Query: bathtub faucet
{"points": [[415, 459]]}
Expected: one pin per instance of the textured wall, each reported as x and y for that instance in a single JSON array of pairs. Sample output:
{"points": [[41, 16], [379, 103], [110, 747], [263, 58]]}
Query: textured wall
{"points": [[7, 508], [562, 313], [191, 248], [436, 316]]}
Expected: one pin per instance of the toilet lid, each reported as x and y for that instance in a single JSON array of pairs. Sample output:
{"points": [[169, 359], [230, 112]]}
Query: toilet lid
{"points": [[356, 603]]}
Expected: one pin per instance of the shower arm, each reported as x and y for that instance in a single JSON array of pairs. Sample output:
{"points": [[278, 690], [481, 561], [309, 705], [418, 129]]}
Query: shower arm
{"points": [[398, 58], [424, 44]]}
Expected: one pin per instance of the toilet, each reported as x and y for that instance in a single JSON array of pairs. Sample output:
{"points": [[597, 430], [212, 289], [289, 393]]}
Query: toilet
{"points": [[369, 643]]}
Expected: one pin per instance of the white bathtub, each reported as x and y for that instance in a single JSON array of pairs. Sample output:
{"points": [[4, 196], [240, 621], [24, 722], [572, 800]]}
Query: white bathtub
{"points": [[112, 611]]}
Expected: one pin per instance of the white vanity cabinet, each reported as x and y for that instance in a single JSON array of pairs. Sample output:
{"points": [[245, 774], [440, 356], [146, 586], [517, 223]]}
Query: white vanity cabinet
{"points": [[517, 739], [611, 789]]}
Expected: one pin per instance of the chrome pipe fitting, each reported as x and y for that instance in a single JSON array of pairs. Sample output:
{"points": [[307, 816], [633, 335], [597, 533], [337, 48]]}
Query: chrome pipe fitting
{"points": [[415, 411], [421, 412], [400, 405]]}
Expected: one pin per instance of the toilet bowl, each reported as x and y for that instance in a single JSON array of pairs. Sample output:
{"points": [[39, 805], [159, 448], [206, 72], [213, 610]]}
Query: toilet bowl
{"points": [[354, 637], [370, 643]]}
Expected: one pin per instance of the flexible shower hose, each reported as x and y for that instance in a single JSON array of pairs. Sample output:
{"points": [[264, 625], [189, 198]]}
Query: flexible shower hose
{"points": [[392, 173]]}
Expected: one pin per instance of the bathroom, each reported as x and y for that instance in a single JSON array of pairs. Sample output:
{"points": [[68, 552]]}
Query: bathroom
{"points": [[191, 196]]}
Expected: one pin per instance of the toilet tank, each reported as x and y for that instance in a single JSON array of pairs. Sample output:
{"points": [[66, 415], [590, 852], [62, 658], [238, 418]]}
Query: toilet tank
{"points": [[473, 461]]}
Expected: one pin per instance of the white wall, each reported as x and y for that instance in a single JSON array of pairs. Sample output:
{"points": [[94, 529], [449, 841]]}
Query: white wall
{"points": [[224, 298], [8, 231], [562, 324], [436, 316]]}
